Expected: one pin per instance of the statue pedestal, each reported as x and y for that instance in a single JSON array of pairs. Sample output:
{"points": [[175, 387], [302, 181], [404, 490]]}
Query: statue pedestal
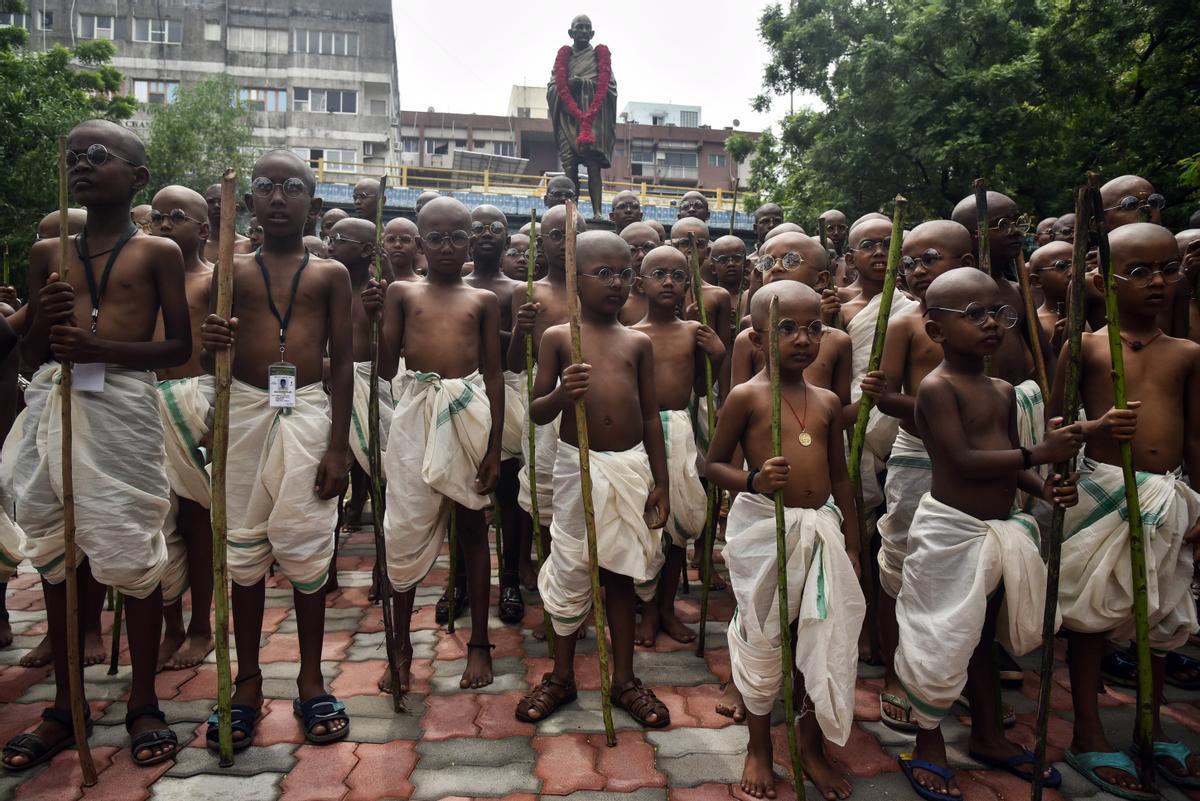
{"points": [[601, 224]]}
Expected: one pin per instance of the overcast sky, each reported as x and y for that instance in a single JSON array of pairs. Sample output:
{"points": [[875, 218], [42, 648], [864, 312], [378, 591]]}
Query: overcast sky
{"points": [[464, 57]]}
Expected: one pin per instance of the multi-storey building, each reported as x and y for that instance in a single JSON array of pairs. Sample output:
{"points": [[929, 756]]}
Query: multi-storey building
{"points": [[319, 75]]}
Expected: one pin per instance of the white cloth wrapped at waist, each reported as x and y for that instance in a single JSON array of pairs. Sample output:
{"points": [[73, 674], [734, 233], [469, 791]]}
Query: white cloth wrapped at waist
{"points": [[440, 432], [11, 536], [909, 476], [273, 513], [621, 483], [186, 404], [514, 415], [546, 443], [360, 418], [823, 596], [955, 561], [1031, 427], [1096, 585], [120, 482], [688, 498]]}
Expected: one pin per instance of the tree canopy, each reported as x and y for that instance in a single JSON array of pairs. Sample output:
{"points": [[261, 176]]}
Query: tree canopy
{"points": [[920, 97]]}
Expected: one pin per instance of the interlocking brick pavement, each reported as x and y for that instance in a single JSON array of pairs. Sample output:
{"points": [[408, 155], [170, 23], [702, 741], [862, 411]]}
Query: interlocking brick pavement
{"points": [[452, 743]]}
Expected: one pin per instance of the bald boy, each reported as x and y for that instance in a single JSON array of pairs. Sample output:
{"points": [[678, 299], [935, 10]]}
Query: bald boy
{"points": [[366, 198], [626, 209], [641, 239], [212, 245], [694, 204]]}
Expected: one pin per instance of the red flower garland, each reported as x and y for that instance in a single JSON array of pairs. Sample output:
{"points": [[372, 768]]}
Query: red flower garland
{"points": [[585, 118]]}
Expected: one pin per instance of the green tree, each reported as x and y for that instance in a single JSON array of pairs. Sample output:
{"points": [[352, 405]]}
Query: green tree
{"points": [[193, 140], [921, 98], [42, 96]]}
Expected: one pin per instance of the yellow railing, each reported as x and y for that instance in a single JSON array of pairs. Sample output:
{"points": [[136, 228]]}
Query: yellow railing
{"points": [[449, 179]]}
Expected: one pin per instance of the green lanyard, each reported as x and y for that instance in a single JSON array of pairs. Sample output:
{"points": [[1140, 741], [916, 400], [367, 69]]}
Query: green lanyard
{"points": [[286, 318]]}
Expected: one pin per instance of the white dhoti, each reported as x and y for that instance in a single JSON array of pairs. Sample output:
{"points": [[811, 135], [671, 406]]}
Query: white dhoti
{"points": [[440, 433], [185, 404], [273, 513], [360, 417], [514, 416], [955, 562], [909, 476], [824, 598], [546, 443], [1031, 427], [120, 482], [621, 483], [1096, 584], [11, 536], [881, 429], [688, 499]]}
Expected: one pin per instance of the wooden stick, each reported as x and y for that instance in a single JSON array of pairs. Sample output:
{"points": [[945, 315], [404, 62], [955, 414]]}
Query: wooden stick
{"points": [[531, 428], [585, 476], [710, 511], [495, 499], [74, 664], [375, 462], [983, 229], [732, 214], [7, 271], [785, 618], [220, 456], [118, 607], [1032, 326], [821, 233], [1075, 323], [1137, 540], [452, 580], [859, 435]]}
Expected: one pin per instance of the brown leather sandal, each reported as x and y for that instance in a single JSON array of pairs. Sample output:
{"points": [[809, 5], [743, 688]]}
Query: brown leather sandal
{"points": [[545, 699], [641, 702]]}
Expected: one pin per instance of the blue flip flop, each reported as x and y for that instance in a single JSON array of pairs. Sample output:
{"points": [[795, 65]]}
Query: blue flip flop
{"points": [[1179, 753], [1013, 763], [908, 765], [1086, 762]]}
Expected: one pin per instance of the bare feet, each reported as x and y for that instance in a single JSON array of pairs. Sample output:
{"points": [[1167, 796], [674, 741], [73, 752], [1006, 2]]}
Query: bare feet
{"points": [[647, 627], [170, 644], [39, 656], [730, 703], [758, 777], [191, 653], [479, 667], [674, 627], [527, 575], [94, 652], [814, 760], [403, 672], [5, 632]]}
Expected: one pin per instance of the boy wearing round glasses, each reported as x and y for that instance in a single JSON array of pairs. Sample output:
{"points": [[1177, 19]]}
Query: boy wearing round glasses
{"points": [[212, 245], [641, 239], [679, 348], [626, 209], [186, 396], [1163, 425], [1050, 269], [1129, 199]]}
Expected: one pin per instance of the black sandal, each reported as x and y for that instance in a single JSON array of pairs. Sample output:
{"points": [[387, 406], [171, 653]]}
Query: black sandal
{"points": [[322, 709], [441, 611], [152, 739], [244, 719], [512, 605], [35, 749]]}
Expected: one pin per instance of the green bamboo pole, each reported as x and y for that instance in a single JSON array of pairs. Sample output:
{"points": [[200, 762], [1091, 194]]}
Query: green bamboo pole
{"points": [[220, 443], [858, 437], [1137, 539], [531, 428], [585, 480], [1053, 549], [74, 663], [375, 463], [118, 608], [785, 619], [711, 409], [452, 580]]}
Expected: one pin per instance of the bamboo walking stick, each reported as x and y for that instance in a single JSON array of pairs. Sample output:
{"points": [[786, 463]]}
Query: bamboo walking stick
{"points": [[981, 216], [220, 455], [733, 213], [531, 429], [7, 271], [837, 322], [785, 618], [1137, 539], [711, 409], [1075, 322], [858, 437], [585, 476], [452, 580], [118, 608], [74, 664], [1032, 327], [375, 462]]}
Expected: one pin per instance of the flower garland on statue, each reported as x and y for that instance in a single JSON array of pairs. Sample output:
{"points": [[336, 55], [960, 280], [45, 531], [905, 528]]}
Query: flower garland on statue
{"points": [[585, 118]]}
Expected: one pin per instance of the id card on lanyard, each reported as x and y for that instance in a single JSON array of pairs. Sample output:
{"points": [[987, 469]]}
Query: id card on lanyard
{"points": [[281, 376], [89, 376]]}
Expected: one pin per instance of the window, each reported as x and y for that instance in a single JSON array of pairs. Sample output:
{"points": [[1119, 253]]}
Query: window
{"points": [[335, 101], [155, 92], [437, 147], [681, 159], [641, 154], [326, 43], [259, 99], [159, 31], [257, 40], [689, 119], [45, 21], [716, 159], [524, 112], [94, 26], [410, 144], [11, 19], [374, 148], [378, 108], [212, 31], [340, 161], [657, 119], [502, 148]]}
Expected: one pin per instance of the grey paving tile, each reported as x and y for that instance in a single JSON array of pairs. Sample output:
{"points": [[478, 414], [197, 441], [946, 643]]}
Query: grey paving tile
{"points": [[474, 751], [694, 769], [469, 780], [207, 787], [681, 742], [643, 794], [254, 760]]}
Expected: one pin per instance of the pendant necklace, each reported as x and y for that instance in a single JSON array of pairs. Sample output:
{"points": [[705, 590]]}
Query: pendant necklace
{"points": [[1136, 344], [805, 438]]}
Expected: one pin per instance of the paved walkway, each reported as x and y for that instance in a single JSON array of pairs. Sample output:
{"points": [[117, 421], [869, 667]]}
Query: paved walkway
{"points": [[455, 743]]}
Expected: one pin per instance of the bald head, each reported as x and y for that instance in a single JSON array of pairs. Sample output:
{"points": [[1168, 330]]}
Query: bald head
{"points": [[424, 198], [999, 205], [956, 288], [48, 227], [446, 210], [559, 190], [795, 300], [1141, 241], [689, 225], [181, 197], [639, 232], [315, 246], [694, 204], [666, 258], [331, 218], [556, 217], [596, 247], [783, 228], [128, 144], [1127, 198], [400, 225], [354, 228], [950, 237], [293, 164]]}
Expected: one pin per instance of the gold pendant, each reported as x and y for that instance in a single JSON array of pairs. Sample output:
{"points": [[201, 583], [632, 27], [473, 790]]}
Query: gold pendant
{"points": [[805, 438]]}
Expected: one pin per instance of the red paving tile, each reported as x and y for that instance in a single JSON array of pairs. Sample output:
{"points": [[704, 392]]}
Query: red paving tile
{"points": [[15, 680], [629, 765], [1005, 785], [122, 780], [358, 678], [449, 716], [705, 792], [201, 687], [168, 682], [718, 663], [321, 772], [677, 705], [17, 718], [567, 763], [496, 719], [278, 724], [509, 641], [382, 771], [701, 703], [974, 790], [62, 780], [1186, 714], [862, 755]]}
